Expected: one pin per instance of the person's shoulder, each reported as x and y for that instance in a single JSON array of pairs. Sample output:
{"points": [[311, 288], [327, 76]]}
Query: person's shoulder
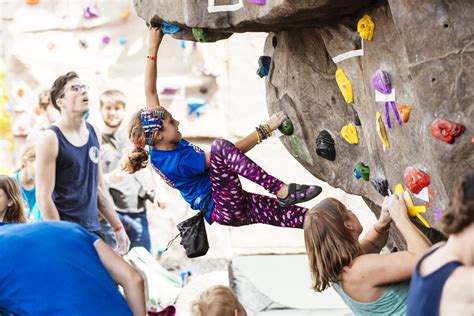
{"points": [[48, 138]]}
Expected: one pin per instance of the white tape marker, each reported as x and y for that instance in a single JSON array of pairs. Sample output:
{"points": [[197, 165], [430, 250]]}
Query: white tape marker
{"points": [[211, 8], [349, 54], [380, 97]]}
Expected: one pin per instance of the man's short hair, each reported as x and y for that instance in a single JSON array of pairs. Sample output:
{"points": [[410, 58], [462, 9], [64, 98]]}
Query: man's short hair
{"points": [[57, 90], [112, 97]]}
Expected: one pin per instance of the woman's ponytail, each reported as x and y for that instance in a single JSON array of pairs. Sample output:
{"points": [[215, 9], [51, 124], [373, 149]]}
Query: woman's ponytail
{"points": [[138, 158]]}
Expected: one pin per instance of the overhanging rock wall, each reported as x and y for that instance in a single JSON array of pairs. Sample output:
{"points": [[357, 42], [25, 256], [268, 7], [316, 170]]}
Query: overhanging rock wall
{"points": [[427, 47]]}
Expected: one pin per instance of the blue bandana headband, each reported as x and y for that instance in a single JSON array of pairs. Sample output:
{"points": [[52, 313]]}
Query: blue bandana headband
{"points": [[152, 121]]}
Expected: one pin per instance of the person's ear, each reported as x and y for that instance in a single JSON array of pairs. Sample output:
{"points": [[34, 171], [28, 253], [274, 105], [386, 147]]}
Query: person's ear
{"points": [[59, 102], [158, 136], [348, 225]]}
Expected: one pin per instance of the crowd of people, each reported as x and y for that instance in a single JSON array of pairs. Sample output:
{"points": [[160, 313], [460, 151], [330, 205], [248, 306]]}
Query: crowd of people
{"points": [[78, 203]]}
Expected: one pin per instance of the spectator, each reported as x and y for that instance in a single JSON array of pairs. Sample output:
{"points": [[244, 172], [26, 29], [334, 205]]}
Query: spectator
{"points": [[443, 280], [218, 300], [11, 206]]}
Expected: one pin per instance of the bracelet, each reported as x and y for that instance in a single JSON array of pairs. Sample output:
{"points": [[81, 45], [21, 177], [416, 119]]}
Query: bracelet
{"points": [[267, 129], [380, 232], [118, 228], [151, 57], [258, 137]]}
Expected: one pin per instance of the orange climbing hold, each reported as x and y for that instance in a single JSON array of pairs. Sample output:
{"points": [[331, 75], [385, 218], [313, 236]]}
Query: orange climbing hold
{"points": [[404, 111], [32, 2], [125, 14]]}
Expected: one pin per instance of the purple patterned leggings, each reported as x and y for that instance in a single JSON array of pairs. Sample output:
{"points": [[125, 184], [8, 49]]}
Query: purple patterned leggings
{"points": [[235, 207]]}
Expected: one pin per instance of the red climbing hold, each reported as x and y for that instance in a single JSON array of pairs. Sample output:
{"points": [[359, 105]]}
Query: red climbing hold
{"points": [[416, 180], [446, 130]]}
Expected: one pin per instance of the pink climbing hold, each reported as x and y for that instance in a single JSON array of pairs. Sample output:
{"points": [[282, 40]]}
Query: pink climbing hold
{"points": [[259, 2]]}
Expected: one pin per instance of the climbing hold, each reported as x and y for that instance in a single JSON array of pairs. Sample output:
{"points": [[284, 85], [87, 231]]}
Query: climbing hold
{"points": [[344, 85], [194, 105], [51, 46], [147, 24], [203, 89], [381, 131], [286, 127], [264, 66], [366, 27], [20, 92], [404, 111], [381, 185], [446, 130], [356, 117], [125, 14], [349, 132], [105, 39], [416, 180], [259, 2], [122, 40], [201, 35], [382, 83], [170, 29], [90, 12], [325, 146], [413, 211], [169, 90], [32, 2], [83, 43], [361, 170]]}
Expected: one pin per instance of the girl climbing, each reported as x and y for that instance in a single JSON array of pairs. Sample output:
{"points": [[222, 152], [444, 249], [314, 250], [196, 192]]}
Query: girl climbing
{"points": [[209, 181], [11, 206]]}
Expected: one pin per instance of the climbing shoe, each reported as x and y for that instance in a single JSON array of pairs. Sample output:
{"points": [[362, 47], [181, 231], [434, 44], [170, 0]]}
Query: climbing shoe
{"points": [[298, 193]]}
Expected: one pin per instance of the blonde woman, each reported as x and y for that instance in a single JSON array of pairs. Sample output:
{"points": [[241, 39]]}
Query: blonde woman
{"points": [[370, 283], [218, 300]]}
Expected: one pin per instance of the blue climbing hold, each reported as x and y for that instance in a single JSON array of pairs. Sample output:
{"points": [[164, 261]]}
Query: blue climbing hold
{"points": [[264, 66], [170, 29]]}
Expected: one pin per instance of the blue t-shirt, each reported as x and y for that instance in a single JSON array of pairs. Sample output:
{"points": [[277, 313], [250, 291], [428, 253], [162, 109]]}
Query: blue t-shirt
{"points": [[53, 268], [29, 198], [184, 168]]}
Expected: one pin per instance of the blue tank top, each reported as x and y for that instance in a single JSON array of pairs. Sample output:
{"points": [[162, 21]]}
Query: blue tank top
{"points": [[425, 291], [75, 189], [392, 303]]}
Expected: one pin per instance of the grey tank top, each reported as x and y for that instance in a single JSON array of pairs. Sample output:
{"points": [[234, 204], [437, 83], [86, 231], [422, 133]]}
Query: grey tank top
{"points": [[75, 189]]}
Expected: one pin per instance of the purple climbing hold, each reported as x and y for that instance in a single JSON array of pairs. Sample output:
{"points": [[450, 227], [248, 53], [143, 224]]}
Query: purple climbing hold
{"points": [[381, 82], [259, 2], [90, 12], [105, 39]]}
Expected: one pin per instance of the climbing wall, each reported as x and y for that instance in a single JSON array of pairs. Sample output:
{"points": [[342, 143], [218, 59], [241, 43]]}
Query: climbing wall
{"points": [[379, 93]]}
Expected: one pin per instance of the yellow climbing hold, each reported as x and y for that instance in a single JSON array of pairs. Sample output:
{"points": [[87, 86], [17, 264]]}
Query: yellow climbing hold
{"points": [[344, 85], [366, 27], [381, 131], [413, 211], [349, 132]]}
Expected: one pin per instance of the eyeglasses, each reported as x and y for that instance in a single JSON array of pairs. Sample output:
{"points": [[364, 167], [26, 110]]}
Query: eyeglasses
{"points": [[78, 87]]}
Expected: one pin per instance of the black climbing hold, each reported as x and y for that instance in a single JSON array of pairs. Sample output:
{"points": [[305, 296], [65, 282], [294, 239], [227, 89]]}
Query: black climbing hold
{"points": [[83, 43], [325, 146], [264, 66], [286, 127], [381, 185], [356, 117], [203, 89]]}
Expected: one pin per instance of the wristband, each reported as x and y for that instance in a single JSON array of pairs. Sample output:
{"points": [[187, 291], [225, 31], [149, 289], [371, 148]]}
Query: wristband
{"points": [[380, 232], [151, 57], [118, 228]]}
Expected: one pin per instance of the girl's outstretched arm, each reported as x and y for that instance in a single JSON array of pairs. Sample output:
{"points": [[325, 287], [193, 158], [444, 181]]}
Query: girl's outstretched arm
{"points": [[155, 38]]}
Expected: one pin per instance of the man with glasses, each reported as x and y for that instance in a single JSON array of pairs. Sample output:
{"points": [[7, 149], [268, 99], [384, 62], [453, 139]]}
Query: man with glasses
{"points": [[69, 177]]}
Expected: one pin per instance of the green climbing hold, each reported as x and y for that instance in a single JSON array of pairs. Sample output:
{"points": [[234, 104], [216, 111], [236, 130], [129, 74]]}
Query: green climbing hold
{"points": [[147, 24], [201, 35], [286, 127], [361, 170]]}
